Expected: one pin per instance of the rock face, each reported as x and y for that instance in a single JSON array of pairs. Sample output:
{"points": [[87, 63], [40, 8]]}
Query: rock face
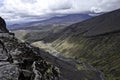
{"points": [[3, 26]]}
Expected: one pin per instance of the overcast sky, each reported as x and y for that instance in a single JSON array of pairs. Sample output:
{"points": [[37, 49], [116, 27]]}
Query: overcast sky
{"points": [[28, 9]]}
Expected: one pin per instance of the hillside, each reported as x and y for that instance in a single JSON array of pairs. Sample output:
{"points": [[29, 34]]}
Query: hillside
{"points": [[22, 61], [47, 30], [97, 41], [47, 33]]}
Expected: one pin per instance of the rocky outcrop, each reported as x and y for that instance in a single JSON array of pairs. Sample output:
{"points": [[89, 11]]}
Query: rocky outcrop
{"points": [[21, 61], [3, 26]]}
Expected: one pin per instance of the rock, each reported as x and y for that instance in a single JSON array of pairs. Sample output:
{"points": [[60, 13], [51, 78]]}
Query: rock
{"points": [[44, 70], [3, 28], [27, 73], [8, 71], [3, 57], [17, 58]]}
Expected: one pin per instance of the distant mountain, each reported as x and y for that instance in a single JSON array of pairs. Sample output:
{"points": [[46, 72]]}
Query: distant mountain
{"points": [[67, 20], [71, 18]]}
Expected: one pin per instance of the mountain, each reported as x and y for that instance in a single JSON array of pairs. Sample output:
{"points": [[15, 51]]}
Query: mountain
{"points": [[66, 20], [47, 30], [97, 41], [44, 33], [71, 18], [22, 61]]}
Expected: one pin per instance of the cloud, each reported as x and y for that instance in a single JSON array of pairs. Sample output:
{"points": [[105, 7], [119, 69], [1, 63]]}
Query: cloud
{"points": [[26, 9]]}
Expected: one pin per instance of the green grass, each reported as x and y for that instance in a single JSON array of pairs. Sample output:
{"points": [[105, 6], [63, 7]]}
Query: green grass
{"points": [[102, 52]]}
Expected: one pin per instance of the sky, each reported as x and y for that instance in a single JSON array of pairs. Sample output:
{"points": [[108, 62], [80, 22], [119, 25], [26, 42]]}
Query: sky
{"points": [[12, 10]]}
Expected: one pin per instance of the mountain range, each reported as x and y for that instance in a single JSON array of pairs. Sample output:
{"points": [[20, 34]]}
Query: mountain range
{"points": [[22, 61], [65, 20], [95, 42]]}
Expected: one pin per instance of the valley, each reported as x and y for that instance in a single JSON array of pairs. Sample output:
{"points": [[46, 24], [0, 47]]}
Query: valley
{"points": [[71, 64], [91, 47], [59, 39]]}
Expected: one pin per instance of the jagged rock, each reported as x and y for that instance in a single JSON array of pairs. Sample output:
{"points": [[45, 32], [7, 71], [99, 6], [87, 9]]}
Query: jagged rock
{"points": [[4, 32], [3, 52], [27, 73], [3, 28], [44, 70], [17, 60], [24, 56]]}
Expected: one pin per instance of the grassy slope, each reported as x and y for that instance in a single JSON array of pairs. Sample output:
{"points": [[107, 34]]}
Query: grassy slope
{"points": [[102, 52]]}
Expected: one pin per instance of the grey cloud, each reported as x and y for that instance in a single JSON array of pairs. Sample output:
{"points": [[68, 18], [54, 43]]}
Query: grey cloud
{"points": [[19, 9]]}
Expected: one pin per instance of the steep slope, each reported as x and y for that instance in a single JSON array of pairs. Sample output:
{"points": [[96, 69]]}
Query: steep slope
{"points": [[21, 61], [96, 41], [3, 25]]}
